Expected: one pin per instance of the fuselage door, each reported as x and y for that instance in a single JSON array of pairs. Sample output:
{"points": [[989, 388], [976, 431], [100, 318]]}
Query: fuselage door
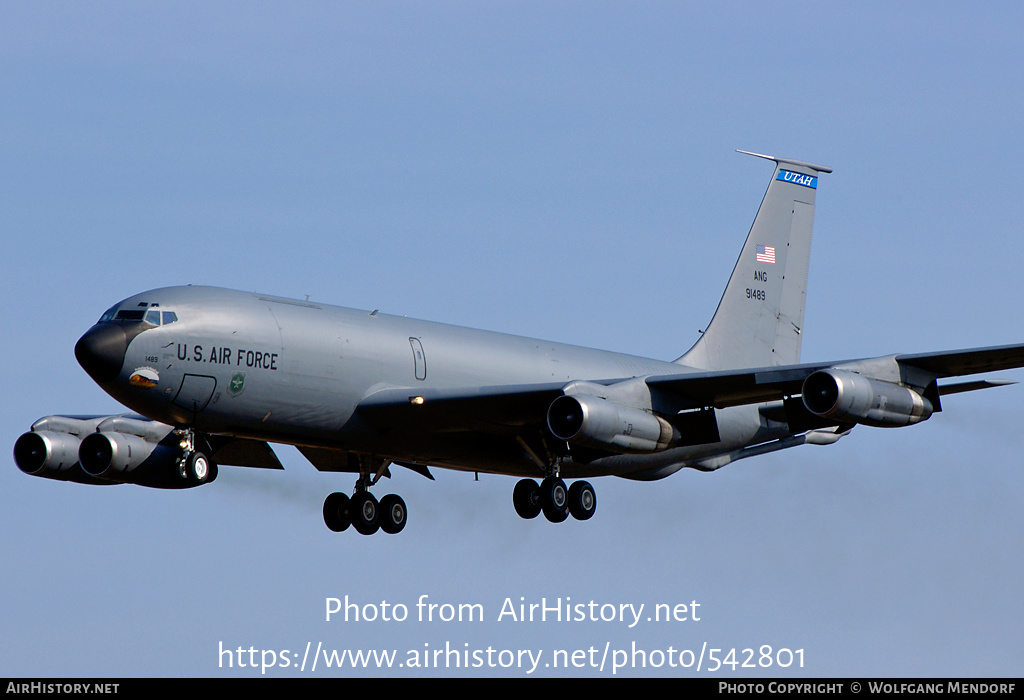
{"points": [[195, 392], [418, 358]]}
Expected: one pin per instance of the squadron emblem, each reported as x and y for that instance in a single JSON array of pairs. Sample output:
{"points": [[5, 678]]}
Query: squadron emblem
{"points": [[236, 384]]}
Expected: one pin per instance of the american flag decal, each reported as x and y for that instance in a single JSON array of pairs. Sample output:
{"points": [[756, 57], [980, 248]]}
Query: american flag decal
{"points": [[765, 254]]}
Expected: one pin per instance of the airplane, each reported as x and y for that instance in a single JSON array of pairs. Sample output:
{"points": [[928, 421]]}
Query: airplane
{"points": [[214, 376]]}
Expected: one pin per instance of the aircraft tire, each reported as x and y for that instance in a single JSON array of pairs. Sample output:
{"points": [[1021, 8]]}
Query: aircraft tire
{"points": [[554, 499], [526, 499], [199, 469], [336, 512], [393, 514], [582, 500], [365, 512]]}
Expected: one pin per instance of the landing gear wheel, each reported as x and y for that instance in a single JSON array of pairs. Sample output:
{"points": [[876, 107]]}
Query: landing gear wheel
{"points": [[336, 512], [392, 514], [199, 469], [526, 499], [582, 500], [554, 499], [365, 513]]}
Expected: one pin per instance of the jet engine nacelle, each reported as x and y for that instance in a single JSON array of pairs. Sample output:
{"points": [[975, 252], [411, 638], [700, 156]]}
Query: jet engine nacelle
{"points": [[50, 449], [102, 450], [114, 456], [848, 397], [49, 454], [597, 422]]}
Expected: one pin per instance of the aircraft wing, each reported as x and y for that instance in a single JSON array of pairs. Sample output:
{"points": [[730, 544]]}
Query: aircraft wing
{"points": [[509, 408], [737, 387], [462, 409], [960, 362]]}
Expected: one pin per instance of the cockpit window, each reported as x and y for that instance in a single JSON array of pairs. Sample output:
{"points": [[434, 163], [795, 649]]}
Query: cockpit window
{"points": [[150, 315]]}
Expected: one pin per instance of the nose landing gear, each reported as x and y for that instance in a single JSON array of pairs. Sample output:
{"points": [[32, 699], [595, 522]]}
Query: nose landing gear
{"points": [[194, 466]]}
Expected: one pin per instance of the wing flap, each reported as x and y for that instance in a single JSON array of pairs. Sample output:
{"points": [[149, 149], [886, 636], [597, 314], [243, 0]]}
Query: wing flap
{"points": [[243, 452], [733, 387]]}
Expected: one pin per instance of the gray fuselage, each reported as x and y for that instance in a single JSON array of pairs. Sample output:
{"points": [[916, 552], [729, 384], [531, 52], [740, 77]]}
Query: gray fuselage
{"points": [[262, 367]]}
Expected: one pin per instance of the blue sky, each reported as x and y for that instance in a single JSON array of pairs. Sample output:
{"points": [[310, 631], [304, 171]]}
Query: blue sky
{"points": [[558, 170]]}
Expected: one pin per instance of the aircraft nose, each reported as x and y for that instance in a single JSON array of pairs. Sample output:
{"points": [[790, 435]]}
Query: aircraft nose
{"points": [[101, 351]]}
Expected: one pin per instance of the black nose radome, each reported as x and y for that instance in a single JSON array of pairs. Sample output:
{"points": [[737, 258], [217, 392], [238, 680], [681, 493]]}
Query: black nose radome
{"points": [[101, 351]]}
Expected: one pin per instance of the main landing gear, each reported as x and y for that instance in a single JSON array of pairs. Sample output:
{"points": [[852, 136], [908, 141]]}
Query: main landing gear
{"points": [[365, 513], [362, 510], [553, 499]]}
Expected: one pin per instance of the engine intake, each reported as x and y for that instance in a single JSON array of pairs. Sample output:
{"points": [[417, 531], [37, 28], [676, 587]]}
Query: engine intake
{"points": [[46, 453], [848, 397], [597, 422]]}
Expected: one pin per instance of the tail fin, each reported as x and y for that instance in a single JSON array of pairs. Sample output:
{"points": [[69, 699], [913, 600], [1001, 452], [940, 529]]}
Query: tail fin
{"points": [[760, 316]]}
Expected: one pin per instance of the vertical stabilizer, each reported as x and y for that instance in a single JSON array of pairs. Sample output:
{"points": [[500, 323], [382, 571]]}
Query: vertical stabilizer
{"points": [[761, 314]]}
